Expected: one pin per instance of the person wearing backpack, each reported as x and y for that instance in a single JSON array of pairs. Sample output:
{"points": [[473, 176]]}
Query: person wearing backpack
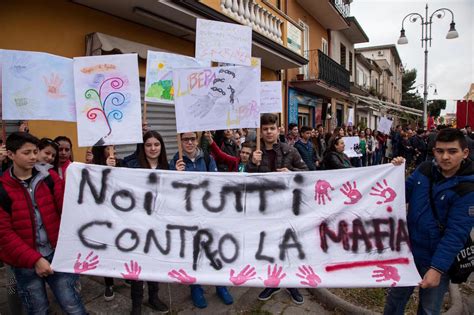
{"points": [[195, 160], [30, 213], [440, 218]]}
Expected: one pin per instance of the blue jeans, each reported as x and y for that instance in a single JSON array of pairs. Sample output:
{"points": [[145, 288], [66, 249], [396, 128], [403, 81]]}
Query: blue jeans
{"points": [[32, 291], [430, 302]]}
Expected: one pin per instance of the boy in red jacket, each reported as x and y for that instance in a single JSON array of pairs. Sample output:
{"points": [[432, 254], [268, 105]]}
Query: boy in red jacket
{"points": [[30, 213]]}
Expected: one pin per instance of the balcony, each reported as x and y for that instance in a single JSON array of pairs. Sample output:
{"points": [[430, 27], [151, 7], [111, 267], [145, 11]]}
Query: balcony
{"points": [[333, 73], [330, 14], [342, 6]]}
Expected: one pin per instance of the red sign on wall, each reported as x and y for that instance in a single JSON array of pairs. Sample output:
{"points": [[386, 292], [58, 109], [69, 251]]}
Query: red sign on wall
{"points": [[464, 114]]}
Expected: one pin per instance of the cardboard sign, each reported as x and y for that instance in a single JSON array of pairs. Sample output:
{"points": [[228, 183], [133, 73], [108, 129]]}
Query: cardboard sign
{"points": [[385, 125], [352, 146], [342, 228], [271, 97]]}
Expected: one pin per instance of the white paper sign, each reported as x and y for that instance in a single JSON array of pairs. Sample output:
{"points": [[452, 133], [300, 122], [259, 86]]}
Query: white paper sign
{"points": [[108, 101], [217, 98], [352, 146], [223, 42], [159, 75], [384, 125], [307, 229], [37, 86], [271, 97], [350, 118]]}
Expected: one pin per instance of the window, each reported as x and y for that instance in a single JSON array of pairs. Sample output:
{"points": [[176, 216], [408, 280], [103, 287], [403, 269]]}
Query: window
{"points": [[350, 62], [324, 46], [343, 55]]}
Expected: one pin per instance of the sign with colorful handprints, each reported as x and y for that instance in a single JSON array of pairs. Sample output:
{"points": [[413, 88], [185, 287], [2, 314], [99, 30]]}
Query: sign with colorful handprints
{"points": [[37, 86], [217, 98], [108, 101], [159, 74], [341, 228]]}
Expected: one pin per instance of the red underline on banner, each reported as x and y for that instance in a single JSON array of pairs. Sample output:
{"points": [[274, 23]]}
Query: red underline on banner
{"points": [[350, 265]]}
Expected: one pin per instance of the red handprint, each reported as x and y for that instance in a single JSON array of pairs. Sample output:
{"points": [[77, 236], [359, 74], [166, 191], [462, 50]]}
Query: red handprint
{"points": [[274, 277], [351, 192], [386, 273], [181, 276], [385, 192], [245, 275], [321, 191], [133, 272], [89, 263], [308, 274]]}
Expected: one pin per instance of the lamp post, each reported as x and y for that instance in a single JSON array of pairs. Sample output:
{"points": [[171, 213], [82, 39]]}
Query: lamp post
{"points": [[425, 38]]}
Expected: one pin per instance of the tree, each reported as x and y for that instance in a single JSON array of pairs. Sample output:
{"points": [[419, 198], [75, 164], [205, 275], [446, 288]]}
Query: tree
{"points": [[409, 95], [435, 107]]}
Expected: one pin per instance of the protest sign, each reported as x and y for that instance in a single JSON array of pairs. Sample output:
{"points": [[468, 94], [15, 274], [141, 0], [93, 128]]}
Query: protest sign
{"points": [[350, 117], [108, 105], [343, 228], [217, 98], [37, 86], [352, 146], [385, 125], [159, 74], [270, 97], [223, 42]]}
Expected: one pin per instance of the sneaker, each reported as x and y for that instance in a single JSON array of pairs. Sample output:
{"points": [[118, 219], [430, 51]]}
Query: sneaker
{"points": [[197, 295], [296, 296], [109, 293], [136, 309], [267, 294], [158, 305], [224, 294]]}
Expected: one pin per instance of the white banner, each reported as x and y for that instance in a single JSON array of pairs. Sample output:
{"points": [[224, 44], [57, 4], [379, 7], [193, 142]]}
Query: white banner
{"points": [[36, 86], [271, 97], [159, 75], [223, 42], [217, 98], [352, 147], [108, 103], [343, 228], [384, 125]]}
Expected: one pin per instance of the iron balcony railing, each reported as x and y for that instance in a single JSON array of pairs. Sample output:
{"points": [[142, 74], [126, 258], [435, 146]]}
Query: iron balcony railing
{"points": [[332, 72], [342, 6]]}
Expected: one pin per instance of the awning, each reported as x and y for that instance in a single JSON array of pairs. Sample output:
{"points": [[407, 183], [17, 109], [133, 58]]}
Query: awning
{"points": [[96, 43], [378, 104]]}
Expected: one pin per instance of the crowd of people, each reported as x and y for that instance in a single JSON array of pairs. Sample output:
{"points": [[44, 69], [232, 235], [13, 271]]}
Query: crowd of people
{"points": [[35, 169]]}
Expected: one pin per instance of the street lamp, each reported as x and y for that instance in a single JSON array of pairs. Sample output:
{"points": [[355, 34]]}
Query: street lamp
{"points": [[430, 86], [425, 38]]}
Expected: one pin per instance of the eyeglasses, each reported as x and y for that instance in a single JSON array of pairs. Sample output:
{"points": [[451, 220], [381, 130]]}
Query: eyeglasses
{"points": [[192, 139]]}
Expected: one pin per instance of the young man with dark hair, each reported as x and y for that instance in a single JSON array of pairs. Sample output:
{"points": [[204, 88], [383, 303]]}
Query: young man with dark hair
{"points": [[234, 164], [30, 213], [292, 136], [306, 149], [275, 156], [443, 188]]}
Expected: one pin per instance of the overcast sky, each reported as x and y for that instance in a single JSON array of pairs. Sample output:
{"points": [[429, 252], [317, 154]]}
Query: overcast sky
{"points": [[450, 62]]}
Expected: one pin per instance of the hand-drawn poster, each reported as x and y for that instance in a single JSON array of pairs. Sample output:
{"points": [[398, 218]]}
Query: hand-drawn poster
{"points": [[217, 98], [352, 146], [223, 42], [342, 228], [271, 97], [385, 125], [108, 100], [159, 75], [37, 86]]}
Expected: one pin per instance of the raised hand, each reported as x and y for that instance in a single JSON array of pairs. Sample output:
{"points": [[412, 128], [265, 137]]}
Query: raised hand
{"points": [[383, 191], [386, 273], [321, 191], [246, 274], [351, 192], [274, 276], [133, 272], [181, 276], [307, 273], [89, 263]]}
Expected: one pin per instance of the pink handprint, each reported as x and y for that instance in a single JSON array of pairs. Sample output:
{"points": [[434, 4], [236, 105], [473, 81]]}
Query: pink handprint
{"points": [[181, 276], [351, 192], [274, 277], [245, 275], [385, 192], [308, 274], [386, 273], [321, 191], [54, 86], [89, 263], [133, 272]]}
